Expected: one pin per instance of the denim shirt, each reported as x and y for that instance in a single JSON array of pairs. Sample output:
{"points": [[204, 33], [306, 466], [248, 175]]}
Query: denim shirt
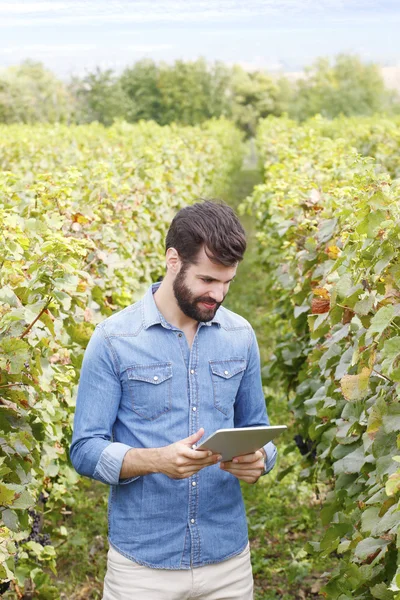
{"points": [[141, 386]]}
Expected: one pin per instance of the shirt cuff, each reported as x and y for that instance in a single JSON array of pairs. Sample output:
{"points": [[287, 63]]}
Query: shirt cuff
{"points": [[109, 464], [272, 454]]}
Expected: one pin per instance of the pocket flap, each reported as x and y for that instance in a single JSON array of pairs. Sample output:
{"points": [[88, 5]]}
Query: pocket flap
{"points": [[228, 368], [156, 373]]}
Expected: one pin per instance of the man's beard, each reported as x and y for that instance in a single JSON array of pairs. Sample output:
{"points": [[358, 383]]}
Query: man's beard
{"points": [[189, 305]]}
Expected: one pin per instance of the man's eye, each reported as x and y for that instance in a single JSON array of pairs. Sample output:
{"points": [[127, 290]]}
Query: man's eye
{"points": [[207, 280]]}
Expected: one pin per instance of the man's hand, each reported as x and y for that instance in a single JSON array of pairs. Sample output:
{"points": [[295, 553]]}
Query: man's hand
{"points": [[248, 467], [179, 460]]}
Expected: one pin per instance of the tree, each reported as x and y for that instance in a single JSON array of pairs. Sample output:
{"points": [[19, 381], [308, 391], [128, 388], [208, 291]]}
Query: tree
{"points": [[185, 92], [348, 87], [255, 95], [29, 93], [140, 85], [99, 97]]}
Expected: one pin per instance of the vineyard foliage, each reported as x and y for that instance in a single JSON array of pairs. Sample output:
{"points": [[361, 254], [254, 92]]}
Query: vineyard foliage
{"points": [[328, 229], [372, 136], [84, 212]]}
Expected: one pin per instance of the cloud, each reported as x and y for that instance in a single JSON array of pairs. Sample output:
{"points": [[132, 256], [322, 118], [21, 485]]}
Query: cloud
{"points": [[16, 8], [53, 50], [77, 12], [48, 49], [142, 48]]}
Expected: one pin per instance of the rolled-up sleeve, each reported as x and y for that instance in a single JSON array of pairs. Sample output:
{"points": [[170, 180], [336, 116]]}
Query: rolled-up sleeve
{"points": [[92, 451], [250, 407]]}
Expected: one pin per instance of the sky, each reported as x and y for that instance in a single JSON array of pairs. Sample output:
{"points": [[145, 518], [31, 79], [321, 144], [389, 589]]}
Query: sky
{"points": [[73, 37]]}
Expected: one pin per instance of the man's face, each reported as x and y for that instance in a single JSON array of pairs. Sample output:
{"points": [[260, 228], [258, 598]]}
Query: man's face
{"points": [[201, 289]]}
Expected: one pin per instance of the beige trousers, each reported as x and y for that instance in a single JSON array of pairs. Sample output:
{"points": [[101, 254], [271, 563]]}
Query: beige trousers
{"points": [[231, 579]]}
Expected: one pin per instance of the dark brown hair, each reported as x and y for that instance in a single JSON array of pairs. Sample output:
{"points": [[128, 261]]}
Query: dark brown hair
{"points": [[211, 223]]}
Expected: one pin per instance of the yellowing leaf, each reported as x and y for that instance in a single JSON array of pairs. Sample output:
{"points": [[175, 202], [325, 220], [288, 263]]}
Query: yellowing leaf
{"points": [[333, 251], [355, 387], [393, 484], [80, 218], [321, 292]]}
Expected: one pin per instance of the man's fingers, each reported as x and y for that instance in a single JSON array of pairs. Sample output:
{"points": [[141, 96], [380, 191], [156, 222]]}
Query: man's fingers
{"points": [[192, 439], [240, 473], [242, 467], [205, 462], [198, 455], [190, 469], [247, 458]]}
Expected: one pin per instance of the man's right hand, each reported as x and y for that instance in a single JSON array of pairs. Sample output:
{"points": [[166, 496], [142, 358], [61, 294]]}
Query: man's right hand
{"points": [[179, 460]]}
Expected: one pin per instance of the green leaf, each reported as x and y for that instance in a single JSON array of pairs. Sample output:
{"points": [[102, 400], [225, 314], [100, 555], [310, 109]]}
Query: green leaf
{"points": [[391, 418], [377, 525], [381, 592], [371, 548], [24, 501], [81, 333], [364, 306], [10, 519], [344, 286], [13, 354], [333, 535], [391, 358], [344, 363], [352, 463], [299, 310], [7, 296], [36, 548], [7, 495], [381, 320], [371, 224], [326, 229]]}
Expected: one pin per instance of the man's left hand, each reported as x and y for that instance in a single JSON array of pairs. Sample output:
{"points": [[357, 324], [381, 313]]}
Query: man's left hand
{"points": [[248, 467]]}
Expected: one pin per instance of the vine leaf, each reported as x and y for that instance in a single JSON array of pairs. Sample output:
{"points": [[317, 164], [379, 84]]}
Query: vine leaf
{"points": [[355, 387]]}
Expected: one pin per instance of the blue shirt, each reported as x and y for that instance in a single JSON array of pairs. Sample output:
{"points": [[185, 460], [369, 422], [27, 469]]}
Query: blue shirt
{"points": [[141, 386]]}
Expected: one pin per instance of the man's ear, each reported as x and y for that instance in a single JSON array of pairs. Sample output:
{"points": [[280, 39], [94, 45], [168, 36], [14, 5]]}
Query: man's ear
{"points": [[173, 261]]}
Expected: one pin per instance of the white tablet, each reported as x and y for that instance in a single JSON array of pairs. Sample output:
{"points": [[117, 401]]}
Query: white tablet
{"points": [[240, 440]]}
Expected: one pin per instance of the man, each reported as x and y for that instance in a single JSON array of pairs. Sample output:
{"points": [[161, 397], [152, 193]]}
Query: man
{"points": [[155, 378]]}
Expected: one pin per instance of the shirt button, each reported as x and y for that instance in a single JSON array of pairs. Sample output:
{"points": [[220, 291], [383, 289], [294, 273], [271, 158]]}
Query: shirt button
{"points": [[194, 408], [192, 371], [155, 378], [193, 483], [192, 520], [226, 372], [179, 335]]}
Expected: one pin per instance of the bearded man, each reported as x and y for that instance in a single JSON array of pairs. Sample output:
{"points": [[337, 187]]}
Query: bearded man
{"points": [[156, 377]]}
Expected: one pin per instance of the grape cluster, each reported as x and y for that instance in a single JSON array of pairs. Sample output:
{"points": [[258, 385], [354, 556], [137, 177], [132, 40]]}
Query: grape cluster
{"points": [[43, 497], [35, 535], [4, 586], [305, 446]]}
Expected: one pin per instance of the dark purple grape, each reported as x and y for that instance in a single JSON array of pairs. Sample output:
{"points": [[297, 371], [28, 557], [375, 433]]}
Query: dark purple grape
{"points": [[4, 586]]}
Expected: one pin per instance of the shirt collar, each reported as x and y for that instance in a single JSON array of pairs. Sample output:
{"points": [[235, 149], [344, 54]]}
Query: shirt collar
{"points": [[152, 316]]}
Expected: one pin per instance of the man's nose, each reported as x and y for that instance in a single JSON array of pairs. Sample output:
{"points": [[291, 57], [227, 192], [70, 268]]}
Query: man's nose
{"points": [[217, 294]]}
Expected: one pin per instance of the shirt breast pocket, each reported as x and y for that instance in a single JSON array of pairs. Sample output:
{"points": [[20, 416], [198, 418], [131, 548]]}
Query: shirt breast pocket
{"points": [[150, 387], [226, 376]]}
